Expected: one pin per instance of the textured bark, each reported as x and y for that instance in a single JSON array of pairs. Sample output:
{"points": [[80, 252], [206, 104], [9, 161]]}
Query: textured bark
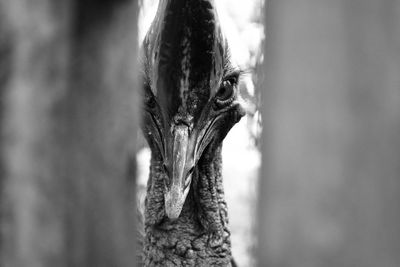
{"points": [[67, 132], [330, 187]]}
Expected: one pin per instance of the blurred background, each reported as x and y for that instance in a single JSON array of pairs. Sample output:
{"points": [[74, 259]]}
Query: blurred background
{"points": [[312, 173], [330, 180]]}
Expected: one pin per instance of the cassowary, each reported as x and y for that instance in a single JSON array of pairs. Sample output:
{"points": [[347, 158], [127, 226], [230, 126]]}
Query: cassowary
{"points": [[189, 105]]}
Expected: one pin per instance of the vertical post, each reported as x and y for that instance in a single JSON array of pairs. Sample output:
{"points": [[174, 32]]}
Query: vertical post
{"points": [[330, 188], [69, 106]]}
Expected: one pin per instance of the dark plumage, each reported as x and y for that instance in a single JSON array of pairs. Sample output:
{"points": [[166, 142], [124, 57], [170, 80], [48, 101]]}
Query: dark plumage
{"points": [[190, 104]]}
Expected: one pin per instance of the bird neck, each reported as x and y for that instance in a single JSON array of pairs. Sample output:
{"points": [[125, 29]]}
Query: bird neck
{"points": [[200, 236]]}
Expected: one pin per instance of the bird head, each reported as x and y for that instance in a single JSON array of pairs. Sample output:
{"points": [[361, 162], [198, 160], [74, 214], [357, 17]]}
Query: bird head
{"points": [[190, 91]]}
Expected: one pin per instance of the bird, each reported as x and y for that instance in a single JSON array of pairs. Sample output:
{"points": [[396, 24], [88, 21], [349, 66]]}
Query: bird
{"points": [[190, 101]]}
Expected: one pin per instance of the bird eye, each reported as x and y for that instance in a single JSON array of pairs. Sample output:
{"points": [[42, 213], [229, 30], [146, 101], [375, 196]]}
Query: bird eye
{"points": [[150, 102], [225, 93]]}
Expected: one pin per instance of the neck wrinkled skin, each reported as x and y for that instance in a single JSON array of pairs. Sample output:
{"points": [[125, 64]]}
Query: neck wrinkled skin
{"points": [[200, 236]]}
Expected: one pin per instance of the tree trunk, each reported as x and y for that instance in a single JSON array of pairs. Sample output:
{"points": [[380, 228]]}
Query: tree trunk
{"points": [[330, 188], [68, 79]]}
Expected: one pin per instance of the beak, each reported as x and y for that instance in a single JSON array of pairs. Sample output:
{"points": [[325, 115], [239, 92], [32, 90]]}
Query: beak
{"points": [[182, 166]]}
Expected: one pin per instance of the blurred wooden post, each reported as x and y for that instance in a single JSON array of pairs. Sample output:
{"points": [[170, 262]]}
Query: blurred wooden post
{"points": [[69, 111], [330, 184]]}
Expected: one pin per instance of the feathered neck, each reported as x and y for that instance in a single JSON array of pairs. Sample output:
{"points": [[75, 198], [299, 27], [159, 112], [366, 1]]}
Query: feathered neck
{"points": [[200, 236]]}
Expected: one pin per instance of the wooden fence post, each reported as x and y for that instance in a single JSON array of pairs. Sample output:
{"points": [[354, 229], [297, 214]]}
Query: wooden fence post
{"points": [[330, 187], [69, 107]]}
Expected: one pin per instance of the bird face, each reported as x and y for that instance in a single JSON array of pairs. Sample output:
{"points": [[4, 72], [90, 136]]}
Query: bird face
{"points": [[190, 91]]}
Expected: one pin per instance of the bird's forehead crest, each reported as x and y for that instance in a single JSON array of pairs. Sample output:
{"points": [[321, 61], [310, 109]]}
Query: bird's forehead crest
{"points": [[186, 51]]}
